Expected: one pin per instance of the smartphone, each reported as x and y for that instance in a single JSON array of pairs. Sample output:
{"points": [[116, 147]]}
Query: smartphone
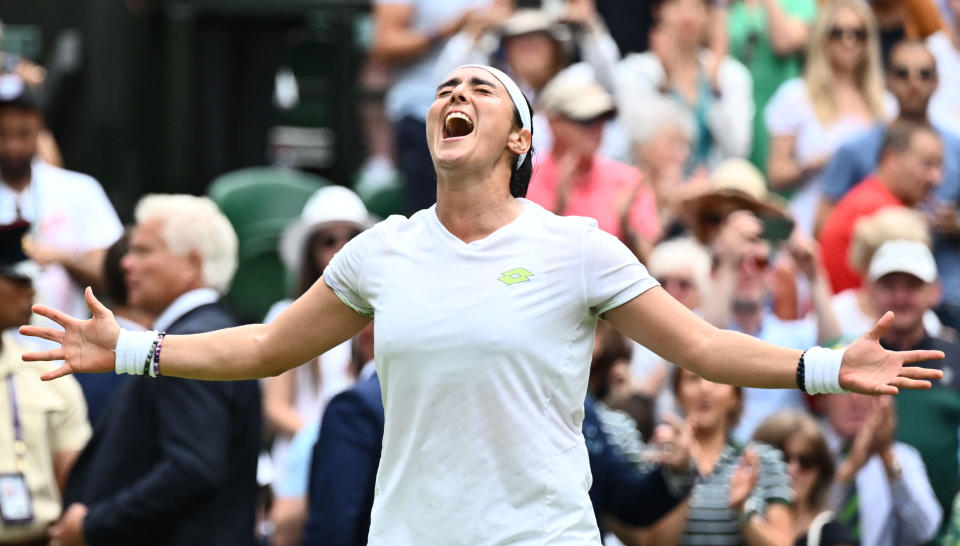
{"points": [[776, 229]]}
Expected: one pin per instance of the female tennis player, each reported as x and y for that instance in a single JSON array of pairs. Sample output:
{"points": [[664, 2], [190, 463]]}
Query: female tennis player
{"points": [[485, 306]]}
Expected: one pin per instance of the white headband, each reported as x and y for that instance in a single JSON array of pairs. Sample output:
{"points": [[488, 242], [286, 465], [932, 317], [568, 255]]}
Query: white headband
{"points": [[519, 100]]}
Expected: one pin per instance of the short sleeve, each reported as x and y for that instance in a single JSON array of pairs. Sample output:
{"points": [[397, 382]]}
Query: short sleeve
{"points": [[101, 225], [70, 428], [612, 274], [345, 272], [773, 483], [789, 109]]}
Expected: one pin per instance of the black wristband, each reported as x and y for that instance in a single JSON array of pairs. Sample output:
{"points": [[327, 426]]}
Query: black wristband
{"points": [[801, 379]]}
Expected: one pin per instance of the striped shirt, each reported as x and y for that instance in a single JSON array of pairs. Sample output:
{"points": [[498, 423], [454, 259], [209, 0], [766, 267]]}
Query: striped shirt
{"points": [[710, 520]]}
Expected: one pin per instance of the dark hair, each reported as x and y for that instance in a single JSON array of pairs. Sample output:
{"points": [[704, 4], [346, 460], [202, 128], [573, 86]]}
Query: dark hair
{"points": [[520, 176], [907, 43], [777, 430], [899, 135], [114, 283], [733, 416]]}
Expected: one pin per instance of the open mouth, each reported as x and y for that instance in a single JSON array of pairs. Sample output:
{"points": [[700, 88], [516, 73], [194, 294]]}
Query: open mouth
{"points": [[457, 124]]}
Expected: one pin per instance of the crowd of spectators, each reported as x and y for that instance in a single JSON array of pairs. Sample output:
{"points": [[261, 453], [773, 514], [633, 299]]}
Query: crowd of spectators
{"points": [[789, 169]]}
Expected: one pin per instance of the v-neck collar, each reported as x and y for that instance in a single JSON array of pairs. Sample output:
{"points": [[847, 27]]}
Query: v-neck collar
{"points": [[494, 236]]}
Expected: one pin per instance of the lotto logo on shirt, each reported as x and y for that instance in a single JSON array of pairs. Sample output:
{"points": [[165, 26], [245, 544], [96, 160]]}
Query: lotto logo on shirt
{"points": [[514, 276]]}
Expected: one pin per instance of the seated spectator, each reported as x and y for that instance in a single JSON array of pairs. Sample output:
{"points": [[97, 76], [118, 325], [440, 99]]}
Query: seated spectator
{"points": [[294, 400], [45, 423], [855, 308], [149, 475], [744, 495], [716, 92], [811, 469], [740, 301], [911, 158], [881, 492], [912, 77], [768, 37], [534, 47], [903, 278], [574, 180], [661, 132], [72, 220], [945, 103], [840, 96]]}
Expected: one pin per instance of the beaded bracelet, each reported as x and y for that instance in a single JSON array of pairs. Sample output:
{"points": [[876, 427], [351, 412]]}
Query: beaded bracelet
{"points": [[801, 380], [155, 371]]}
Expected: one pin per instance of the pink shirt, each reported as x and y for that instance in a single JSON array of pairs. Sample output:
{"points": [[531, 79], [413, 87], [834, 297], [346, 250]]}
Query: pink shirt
{"points": [[598, 195]]}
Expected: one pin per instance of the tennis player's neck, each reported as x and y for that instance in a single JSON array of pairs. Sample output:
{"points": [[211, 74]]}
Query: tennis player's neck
{"points": [[473, 213]]}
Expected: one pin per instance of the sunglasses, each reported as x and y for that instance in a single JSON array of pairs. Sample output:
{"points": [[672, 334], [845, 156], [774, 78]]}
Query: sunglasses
{"points": [[927, 73], [838, 33], [330, 240], [806, 460]]}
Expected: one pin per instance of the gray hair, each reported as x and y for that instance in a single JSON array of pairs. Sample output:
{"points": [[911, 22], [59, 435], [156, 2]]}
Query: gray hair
{"points": [[195, 224], [647, 117], [682, 254]]}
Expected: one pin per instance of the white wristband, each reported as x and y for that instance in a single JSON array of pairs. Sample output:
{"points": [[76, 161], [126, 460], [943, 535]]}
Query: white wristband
{"points": [[822, 370], [132, 350]]}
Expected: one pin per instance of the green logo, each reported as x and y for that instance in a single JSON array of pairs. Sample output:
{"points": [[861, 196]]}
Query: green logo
{"points": [[514, 276]]}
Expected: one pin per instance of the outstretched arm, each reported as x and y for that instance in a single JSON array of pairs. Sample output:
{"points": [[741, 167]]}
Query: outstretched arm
{"points": [[313, 324], [659, 322]]}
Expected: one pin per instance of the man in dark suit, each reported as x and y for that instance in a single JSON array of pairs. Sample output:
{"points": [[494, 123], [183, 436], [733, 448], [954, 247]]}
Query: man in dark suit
{"points": [[172, 461], [347, 454]]}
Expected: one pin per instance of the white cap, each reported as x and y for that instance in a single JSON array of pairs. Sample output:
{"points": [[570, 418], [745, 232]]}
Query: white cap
{"points": [[327, 205], [902, 256]]}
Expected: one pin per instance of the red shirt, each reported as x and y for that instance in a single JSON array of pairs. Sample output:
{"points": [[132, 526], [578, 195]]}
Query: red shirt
{"points": [[864, 199], [598, 194]]}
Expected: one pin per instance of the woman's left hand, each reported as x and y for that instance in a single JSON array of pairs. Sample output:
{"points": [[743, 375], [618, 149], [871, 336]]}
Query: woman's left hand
{"points": [[868, 368]]}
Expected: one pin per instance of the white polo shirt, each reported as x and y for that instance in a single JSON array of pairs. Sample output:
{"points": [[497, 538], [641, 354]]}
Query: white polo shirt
{"points": [[69, 211], [483, 352]]}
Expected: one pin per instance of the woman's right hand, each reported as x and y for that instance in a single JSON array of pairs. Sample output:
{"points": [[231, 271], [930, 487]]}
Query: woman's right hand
{"points": [[744, 479], [85, 345]]}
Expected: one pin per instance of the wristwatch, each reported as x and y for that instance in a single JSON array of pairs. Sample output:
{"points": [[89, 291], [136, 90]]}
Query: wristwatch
{"points": [[752, 507]]}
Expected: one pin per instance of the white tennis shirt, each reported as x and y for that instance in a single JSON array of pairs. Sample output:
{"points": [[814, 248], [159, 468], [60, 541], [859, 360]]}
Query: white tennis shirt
{"points": [[483, 352]]}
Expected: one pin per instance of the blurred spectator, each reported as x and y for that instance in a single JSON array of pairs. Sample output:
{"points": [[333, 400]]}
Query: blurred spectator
{"points": [[856, 310], [574, 180], [173, 461], [768, 37], [661, 132], [881, 491], [534, 48], [945, 46], [812, 469], [610, 366], [740, 301], [294, 401], [716, 91], [903, 278], [31, 73], [410, 35], [909, 168], [343, 467], [98, 388], [840, 96], [44, 423], [629, 22], [72, 220], [912, 77], [682, 266], [744, 495], [905, 19]]}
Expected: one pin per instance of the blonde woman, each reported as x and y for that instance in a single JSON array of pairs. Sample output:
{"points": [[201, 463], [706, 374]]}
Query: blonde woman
{"points": [[840, 95], [853, 307]]}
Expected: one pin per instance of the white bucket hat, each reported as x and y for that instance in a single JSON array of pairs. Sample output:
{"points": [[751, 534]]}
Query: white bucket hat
{"points": [[327, 205]]}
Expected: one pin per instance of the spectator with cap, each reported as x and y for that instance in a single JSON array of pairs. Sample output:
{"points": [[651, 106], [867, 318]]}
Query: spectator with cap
{"points": [[573, 179], [72, 220], [881, 490], [294, 401], [148, 475], [910, 167], [903, 278], [716, 91], [43, 425]]}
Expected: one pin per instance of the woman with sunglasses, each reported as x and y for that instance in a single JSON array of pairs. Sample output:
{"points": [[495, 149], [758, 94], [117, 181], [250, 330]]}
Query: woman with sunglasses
{"points": [[840, 96], [811, 467], [293, 401], [486, 306]]}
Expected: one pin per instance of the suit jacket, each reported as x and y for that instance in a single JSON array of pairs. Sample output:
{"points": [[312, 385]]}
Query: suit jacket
{"points": [[173, 461], [343, 471]]}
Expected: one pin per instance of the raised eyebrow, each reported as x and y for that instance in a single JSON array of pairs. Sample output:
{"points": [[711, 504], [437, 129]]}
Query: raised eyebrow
{"points": [[448, 83]]}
